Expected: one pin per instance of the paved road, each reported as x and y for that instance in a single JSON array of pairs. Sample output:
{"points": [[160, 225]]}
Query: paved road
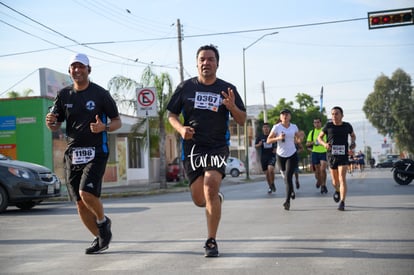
{"points": [[164, 234]]}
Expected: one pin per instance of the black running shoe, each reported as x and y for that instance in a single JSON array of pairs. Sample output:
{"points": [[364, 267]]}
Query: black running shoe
{"points": [[324, 189], [105, 233], [293, 195], [211, 248], [286, 205], [336, 196], [95, 248], [273, 187], [341, 206]]}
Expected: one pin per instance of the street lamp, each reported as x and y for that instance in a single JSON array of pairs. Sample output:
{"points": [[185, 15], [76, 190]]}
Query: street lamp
{"points": [[246, 136]]}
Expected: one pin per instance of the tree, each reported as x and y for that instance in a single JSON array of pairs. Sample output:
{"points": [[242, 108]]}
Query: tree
{"points": [[390, 108], [164, 91]]}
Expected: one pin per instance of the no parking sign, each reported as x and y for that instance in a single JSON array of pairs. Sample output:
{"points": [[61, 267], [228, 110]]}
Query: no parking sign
{"points": [[147, 102]]}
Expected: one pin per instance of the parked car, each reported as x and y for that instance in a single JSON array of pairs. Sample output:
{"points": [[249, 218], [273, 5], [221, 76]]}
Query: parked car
{"points": [[173, 170], [24, 184], [386, 164], [235, 167]]}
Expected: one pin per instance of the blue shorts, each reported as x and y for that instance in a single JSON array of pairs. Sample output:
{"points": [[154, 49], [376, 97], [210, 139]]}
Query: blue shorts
{"points": [[317, 157]]}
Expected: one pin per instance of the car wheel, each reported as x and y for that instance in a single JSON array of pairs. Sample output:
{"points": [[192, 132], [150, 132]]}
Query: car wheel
{"points": [[25, 205], [4, 199], [234, 173]]}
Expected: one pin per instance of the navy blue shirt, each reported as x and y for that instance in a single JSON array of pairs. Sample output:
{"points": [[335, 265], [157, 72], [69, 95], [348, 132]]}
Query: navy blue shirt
{"points": [[79, 109]]}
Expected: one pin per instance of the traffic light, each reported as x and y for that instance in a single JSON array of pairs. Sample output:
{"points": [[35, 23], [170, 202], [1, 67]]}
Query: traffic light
{"points": [[390, 18]]}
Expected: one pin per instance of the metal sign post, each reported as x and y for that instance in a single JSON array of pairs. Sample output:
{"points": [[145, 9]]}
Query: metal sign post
{"points": [[147, 107]]}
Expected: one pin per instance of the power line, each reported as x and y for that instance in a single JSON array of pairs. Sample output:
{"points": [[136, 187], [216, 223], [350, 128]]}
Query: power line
{"points": [[87, 44], [73, 40]]}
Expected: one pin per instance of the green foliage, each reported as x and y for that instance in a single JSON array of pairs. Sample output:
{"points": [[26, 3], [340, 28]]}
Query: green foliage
{"points": [[390, 108]]}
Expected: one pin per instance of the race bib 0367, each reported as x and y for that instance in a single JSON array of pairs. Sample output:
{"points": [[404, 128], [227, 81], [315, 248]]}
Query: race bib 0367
{"points": [[207, 101]]}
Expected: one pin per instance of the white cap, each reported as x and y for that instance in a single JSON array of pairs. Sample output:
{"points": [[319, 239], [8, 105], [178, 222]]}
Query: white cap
{"points": [[79, 57]]}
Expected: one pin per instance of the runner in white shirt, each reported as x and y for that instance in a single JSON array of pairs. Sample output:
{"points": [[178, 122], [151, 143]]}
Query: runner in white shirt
{"points": [[286, 135]]}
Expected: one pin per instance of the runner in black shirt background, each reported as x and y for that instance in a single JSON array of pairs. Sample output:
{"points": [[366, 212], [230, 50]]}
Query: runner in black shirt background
{"points": [[337, 132], [267, 157]]}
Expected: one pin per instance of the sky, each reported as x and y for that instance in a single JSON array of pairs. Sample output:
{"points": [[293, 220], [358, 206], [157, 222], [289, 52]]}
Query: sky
{"points": [[318, 43]]}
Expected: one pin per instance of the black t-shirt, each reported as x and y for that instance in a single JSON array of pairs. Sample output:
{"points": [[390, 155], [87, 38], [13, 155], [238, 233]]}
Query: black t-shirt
{"points": [[338, 134], [267, 149], [202, 109], [79, 109]]}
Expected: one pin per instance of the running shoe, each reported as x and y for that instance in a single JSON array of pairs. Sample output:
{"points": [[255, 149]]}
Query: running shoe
{"points": [[273, 187], [211, 248], [105, 233], [269, 191], [286, 205], [324, 189], [297, 185], [336, 196], [293, 195], [341, 206], [95, 248]]}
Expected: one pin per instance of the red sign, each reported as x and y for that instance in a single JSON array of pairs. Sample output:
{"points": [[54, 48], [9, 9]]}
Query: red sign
{"points": [[147, 102], [146, 97]]}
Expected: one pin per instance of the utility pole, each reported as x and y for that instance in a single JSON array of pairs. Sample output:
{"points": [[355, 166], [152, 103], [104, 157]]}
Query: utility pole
{"points": [[180, 61], [264, 103], [180, 51]]}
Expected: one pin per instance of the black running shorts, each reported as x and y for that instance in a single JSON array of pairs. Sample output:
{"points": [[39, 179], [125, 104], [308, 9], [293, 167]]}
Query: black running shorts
{"points": [[86, 177], [197, 160]]}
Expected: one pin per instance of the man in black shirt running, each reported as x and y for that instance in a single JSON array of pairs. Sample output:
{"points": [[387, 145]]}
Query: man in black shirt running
{"points": [[86, 108], [267, 157], [206, 103]]}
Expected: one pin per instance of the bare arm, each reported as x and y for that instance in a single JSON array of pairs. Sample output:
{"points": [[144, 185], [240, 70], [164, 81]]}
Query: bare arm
{"points": [[322, 142], [353, 138], [186, 132], [271, 138], [98, 126], [114, 125]]}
